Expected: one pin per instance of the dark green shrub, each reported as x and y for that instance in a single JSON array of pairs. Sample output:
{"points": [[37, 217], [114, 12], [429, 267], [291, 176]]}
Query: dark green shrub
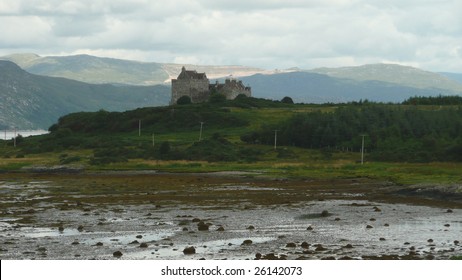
{"points": [[184, 100]]}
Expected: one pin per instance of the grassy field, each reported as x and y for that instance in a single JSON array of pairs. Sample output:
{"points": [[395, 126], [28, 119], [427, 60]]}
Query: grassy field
{"points": [[307, 164]]}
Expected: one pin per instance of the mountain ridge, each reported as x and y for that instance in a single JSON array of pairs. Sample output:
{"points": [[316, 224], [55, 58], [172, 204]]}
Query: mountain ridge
{"points": [[29, 101]]}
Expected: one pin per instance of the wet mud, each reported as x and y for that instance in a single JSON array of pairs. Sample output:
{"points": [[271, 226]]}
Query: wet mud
{"points": [[226, 216]]}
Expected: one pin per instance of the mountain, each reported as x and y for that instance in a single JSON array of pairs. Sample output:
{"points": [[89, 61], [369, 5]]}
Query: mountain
{"points": [[308, 87], [29, 101], [457, 77], [99, 70], [394, 74]]}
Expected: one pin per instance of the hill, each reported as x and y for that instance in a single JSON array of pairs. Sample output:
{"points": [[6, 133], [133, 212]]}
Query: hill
{"points": [[30, 101], [243, 130], [309, 87]]}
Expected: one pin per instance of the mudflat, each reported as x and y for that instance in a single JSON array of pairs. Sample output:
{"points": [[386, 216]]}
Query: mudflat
{"points": [[230, 215]]}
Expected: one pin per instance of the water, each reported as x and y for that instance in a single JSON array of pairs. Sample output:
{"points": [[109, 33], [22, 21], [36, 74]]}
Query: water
{"points": [[9, 134]]}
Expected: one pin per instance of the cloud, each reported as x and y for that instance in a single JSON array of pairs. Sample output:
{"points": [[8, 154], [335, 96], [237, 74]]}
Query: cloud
{"points": [[263, 33]]}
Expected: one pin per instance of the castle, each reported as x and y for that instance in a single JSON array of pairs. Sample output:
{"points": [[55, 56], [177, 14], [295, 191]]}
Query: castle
{"points": [[197, 87]]}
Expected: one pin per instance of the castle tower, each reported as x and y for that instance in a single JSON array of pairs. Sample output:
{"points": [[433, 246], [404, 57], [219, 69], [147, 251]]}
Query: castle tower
{"points": [[192, 84]]}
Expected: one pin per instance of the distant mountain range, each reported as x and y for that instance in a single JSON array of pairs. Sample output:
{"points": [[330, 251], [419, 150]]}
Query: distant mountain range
{"points": [[29, 101], [375, 82], [99, 70], [38, 97]]}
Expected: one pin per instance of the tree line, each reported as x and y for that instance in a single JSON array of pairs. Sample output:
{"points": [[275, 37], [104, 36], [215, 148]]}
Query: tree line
{"points": [[392, 132]]}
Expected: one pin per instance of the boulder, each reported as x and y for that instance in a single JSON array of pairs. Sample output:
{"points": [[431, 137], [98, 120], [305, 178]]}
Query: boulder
{"points": [[189, 250], [117, 254]]}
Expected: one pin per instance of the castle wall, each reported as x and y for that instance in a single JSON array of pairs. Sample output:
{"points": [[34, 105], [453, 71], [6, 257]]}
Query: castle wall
{"points": [[196, 89], [232, 88]]}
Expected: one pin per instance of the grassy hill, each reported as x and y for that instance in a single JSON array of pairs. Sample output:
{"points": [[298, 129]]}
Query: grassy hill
{"points": [[313, 141], [30, 101]]}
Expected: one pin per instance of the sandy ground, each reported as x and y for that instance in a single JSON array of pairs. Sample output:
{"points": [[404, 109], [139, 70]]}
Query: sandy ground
{"points": [[224, 216]]}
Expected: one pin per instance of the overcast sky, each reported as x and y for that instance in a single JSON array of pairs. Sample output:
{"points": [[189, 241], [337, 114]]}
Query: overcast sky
{"points": [[262, 33]]}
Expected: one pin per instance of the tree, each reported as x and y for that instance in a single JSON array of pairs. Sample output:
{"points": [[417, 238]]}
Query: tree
{"points": [[217, 98], [287, 100], [184, 100]]}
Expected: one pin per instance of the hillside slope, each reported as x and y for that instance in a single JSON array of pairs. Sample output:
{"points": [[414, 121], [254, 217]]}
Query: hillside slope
{"points": [[30, 101]]}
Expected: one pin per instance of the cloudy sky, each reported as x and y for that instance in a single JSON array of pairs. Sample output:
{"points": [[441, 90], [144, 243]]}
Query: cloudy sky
{"points": [[263, 33]]}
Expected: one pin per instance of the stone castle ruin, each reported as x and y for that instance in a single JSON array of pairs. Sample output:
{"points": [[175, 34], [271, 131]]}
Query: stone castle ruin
{"points": [[197, 87]]}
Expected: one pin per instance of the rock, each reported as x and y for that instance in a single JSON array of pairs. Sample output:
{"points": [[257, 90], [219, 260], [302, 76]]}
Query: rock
{"points": [[201, 226], [42, 249], [189, 250], [270, 256], [369, 226], [324, 213], [372, 219], [221, 229], [407, 243], [456, 242], [348, 246], [143, 245], [319, 247], [430, 240], [80, 228], [61, 228], [75, 243], [257, 256], [337, 219], [382, 239], [449, 211], [247, 242], [328, 259], [99, 244], [447, 225], [309, 228], [134, 242], [386, 225], [185, 229], [305, 245], [196, 220], [139, 236], [429, 257], [117, 254], [346, 258], [250, 227], [291, 245], [377, 209]]}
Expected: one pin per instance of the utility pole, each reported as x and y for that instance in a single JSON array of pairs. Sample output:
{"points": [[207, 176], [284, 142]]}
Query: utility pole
{"points": [[362, 149], [139, 127], [200, 133], [275, 139], [153, 142], [14, 137]]}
